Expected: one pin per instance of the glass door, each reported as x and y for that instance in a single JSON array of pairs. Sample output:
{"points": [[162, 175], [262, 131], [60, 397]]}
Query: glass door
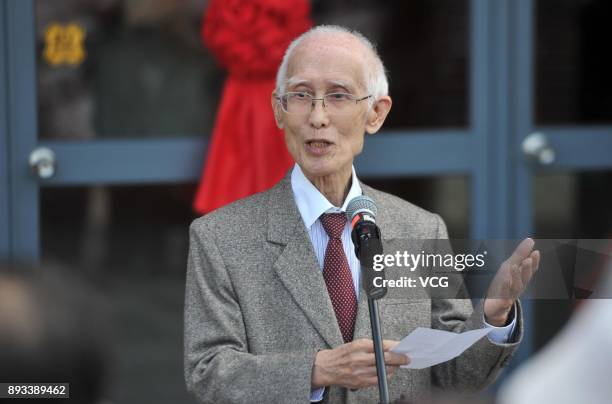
{"points": [[563, 138]]}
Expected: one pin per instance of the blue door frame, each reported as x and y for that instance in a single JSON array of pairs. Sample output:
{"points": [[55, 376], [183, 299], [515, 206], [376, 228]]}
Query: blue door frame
{"points": [[487, 152], [5, 214]]}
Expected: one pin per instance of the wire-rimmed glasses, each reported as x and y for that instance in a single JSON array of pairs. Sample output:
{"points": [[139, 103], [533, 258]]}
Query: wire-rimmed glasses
{"points": [[299, 103]]}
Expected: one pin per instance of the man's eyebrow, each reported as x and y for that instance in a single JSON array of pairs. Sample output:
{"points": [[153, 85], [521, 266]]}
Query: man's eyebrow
{"points": [[293, 82], [343, 84]]}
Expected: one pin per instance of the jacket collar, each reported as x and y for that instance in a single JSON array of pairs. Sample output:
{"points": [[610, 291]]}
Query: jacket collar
{"points": [[284, 217]]}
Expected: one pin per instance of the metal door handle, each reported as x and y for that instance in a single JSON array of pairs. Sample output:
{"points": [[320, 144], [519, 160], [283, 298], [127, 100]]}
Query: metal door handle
{"points": [[42, 162], [537, 147]]}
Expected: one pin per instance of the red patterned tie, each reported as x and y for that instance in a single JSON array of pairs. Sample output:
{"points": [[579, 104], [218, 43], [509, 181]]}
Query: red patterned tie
{"points": [[337, 275]]}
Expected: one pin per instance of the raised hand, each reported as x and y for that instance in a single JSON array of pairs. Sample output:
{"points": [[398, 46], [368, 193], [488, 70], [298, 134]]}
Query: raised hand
{"points": [[510, 282]]}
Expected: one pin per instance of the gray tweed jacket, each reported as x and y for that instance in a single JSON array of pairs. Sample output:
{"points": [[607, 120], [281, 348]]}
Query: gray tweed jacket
{"points": [[257, 309]]}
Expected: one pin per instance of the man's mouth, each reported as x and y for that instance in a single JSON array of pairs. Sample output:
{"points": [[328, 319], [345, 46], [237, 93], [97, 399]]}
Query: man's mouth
{"points": [[319, 144], [318, 147]]}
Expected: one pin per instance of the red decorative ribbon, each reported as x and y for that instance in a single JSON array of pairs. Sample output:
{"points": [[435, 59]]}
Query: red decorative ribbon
{"points": [[247, 152]]}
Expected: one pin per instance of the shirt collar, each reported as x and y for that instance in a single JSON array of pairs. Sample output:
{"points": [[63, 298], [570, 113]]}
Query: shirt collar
{"points": [[311, 203]]}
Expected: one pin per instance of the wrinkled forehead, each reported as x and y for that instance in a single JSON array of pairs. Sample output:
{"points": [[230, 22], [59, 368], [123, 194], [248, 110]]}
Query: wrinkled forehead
{"points": [[325, 59]]}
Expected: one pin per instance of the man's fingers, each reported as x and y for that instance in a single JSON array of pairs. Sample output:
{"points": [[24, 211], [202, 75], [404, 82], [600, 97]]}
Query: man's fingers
{"points": [[515, 282], [389, 344], [372, 381], [359, 362], [535, 256], [368, 358], [362, 344], [362, 353], [521, 252], [530, 267], [367, 345], [362, 359], [396, 359], [372, 372], [526, 271]]}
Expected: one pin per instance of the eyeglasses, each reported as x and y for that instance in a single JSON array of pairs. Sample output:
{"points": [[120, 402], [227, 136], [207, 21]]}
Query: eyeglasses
{"points": [[300, 103]]}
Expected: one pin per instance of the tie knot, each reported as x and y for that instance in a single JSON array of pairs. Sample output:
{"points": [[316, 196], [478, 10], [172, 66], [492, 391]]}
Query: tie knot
{"points": [[333, 223]]}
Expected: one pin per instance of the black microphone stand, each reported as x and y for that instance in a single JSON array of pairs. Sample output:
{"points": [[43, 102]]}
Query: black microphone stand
{"points": [[367, 242], [383, 388]]}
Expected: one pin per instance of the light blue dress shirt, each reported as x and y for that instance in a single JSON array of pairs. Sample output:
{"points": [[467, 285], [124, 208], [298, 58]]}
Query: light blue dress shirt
{"points": [[312, 204]]}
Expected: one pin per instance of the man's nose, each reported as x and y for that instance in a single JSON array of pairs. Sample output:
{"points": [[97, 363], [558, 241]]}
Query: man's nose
{"points": [[318, 115]]}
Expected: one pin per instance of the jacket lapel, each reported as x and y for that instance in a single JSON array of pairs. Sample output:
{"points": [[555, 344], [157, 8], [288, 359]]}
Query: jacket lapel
{"points": [[297, 265], [362, 323]]}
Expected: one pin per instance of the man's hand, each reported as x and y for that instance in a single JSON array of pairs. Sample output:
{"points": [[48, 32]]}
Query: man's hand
{"points": [[510, 281], [353, 365]]}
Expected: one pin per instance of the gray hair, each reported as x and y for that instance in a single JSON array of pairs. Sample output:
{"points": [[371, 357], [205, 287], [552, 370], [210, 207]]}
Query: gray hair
{"points": [[376, 78]]}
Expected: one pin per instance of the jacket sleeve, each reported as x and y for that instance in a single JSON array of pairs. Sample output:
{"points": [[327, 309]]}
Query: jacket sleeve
{"points": [[479, 365], [218, 365]]}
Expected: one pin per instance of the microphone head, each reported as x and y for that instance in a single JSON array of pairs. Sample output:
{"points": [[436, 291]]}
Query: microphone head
{"points": [[361, 204]]}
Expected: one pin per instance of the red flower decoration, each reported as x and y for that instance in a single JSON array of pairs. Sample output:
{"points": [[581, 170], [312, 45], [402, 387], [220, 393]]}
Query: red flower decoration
{"points": [[249, 37], [247, 152]]}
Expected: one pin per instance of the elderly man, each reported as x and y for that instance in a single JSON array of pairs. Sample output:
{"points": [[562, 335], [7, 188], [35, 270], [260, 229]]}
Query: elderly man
{"points": [[273, 310]]}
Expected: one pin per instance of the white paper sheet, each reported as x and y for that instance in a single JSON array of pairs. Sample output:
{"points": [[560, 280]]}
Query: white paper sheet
{"points": [[427, 347]]}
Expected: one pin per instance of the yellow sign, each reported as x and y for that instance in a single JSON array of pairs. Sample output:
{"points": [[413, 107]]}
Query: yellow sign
{"points": [[64, 44]]}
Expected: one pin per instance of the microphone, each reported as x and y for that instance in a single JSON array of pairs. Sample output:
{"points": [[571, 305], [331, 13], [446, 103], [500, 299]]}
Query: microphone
{"points": [[361, 213]]}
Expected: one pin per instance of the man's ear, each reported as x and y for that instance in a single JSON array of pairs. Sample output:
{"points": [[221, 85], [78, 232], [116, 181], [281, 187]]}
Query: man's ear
{"points": [[377, 113], [278, 116]]}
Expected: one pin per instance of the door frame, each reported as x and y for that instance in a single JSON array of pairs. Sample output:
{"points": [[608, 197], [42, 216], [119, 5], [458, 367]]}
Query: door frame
{"points": [[5, 213]]}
